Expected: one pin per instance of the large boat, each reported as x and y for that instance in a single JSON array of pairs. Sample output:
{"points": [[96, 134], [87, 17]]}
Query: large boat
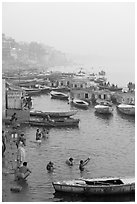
{"points": [[56, 122], [53, 114], [128, 109], [104, 107], [59, 95], [97, 186], [80, 103]]}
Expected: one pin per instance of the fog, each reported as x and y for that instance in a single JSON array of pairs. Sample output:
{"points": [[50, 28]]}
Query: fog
{"points": [[102, 33]]}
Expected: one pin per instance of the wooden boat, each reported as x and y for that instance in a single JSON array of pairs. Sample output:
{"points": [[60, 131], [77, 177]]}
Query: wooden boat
{"points": [[32, 91], [104, 107], [45, 89], [60, 122], [61, 89], [128, 109], [80, 103], [115, 88], [110, 88], [58, 95], [53, 114], [97, 186]]}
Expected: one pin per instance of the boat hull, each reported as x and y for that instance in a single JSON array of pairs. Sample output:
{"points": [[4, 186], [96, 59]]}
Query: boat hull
{"points": [[53, 114], [80, 104], [103, 109], [126, 109], [33, 92], [55, 123], [96, 187], [58, 95], [98, 190], [61, 89]]}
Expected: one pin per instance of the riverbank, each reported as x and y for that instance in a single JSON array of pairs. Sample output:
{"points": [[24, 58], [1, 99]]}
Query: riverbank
{"points": [[9, 165]]}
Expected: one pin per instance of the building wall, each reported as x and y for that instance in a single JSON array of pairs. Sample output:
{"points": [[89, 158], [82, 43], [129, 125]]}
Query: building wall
{"points": [[14, 99], [3, 99], [89, 94], [125, 98]]}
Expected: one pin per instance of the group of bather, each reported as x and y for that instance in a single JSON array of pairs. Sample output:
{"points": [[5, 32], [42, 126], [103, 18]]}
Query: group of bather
{"points": [[22, 171], [41, 134], [70, 162]]}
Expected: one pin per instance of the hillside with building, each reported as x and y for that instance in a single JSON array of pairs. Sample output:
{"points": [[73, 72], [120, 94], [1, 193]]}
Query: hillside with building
{"points": [[30, 55]]}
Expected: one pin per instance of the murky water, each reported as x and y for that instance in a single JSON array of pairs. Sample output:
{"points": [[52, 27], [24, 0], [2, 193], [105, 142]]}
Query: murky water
{"points": [[108, 140]]}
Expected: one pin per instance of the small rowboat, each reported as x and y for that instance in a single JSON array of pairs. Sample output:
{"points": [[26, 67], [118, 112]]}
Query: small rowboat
{"points": [[97, 186], [60, 122], [58, 95], [53, 114], [61, 89], [80, 103], [127, 109], [104, 107], [32, 91]]}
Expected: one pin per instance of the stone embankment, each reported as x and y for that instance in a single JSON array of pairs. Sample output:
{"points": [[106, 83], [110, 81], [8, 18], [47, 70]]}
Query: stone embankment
{"points": [[9, 163]]}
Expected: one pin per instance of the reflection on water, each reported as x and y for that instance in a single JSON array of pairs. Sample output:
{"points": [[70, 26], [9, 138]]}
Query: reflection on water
{"points": [[130, 118], [62, 197], [107, 140], [103, 116]]}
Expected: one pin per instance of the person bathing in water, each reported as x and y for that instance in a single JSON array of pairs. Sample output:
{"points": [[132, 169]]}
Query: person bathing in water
{"points": [[69, 161], [44, 133], [83, 163], [23, 171], [38, 136], [50, 166]]}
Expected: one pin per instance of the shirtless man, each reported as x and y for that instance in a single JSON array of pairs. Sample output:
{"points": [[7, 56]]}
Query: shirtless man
{"points": [[23, 172], [83, 163]]}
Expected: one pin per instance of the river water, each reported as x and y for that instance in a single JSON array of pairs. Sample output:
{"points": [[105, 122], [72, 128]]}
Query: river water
{"points": [[108, 140]]}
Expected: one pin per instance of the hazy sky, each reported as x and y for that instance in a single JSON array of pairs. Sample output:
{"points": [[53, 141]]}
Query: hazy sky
{"points": [[96, 29]]}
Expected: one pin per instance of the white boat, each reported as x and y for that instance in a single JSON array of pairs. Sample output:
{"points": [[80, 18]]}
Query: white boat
{"points": [[128, 109], [104, 107], [80, 103], [59, 95], [97, 186]]}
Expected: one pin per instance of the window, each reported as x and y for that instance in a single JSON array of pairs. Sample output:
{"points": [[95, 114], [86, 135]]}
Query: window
{"points": [[86, 95]]}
